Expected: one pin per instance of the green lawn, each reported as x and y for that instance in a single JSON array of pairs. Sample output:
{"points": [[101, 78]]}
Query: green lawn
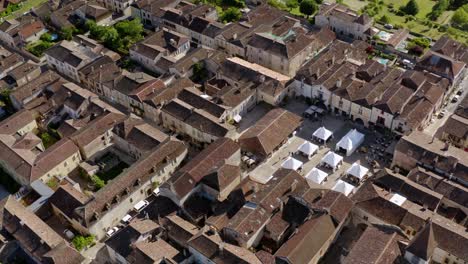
{"points": [[418, 25], [113, 172], [25, 7], [47, 139]]}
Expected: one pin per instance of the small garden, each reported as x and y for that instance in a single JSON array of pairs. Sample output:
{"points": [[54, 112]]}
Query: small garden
{"points": [[48, 139], [228, 10], [119, 37], [303, 8], [422, 17], [111, 167], [82, 242], [39, 47], [15, 10]]}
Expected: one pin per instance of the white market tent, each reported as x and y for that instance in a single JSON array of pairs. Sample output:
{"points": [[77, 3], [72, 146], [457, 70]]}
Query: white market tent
{"points": [[322, 133], [316, 175], [292, 164], [343, 187], [398, 199], [308, 149], [350, 142], [332, 159], [237, 118], [358, 171]]}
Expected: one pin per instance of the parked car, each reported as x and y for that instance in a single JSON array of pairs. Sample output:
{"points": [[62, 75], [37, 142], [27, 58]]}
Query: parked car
{"points": [[126, 219], [442, 113], [140, 205], [455, 98], [459, 92], [112, 231], [388, 26], [156, 191]]}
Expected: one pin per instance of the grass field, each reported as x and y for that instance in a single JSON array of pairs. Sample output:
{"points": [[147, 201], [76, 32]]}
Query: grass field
{"points": [[419, 25], [25, 7]]}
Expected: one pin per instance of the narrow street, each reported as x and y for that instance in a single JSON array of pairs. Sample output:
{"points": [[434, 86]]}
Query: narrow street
{"points": [[451, 107]]}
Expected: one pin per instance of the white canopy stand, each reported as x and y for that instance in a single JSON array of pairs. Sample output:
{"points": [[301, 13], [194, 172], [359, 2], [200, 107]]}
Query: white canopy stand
{"points": [[357, 171], [237, 118], [350, 142], [322, 134], [343, 187], [332, 160], [292, 164], [398, 199], [308, 149], [316, 175]]}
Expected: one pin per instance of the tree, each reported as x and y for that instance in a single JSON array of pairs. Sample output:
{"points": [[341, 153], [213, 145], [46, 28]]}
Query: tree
{"points": [[384, 19], [81, 242], [422, 42], [291, 4], [132, 28], [233, 3], [46, 37], [438, 9], [231, 14], [319, 2], [460, 18], [67, 33], [455, 4], [308, 7], [411, 8], [98, 182], [111, 38]]}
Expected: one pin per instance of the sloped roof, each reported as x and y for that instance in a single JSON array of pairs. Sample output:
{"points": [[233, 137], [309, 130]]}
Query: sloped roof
{"points": [[424, 243], [307, 242], [269, 132]]}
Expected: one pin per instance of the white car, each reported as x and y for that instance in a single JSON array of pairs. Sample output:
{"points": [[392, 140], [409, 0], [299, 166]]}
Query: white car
{"points": [[126, 219], [112, 231], [140, 205], [442, 113], [156, 191]]}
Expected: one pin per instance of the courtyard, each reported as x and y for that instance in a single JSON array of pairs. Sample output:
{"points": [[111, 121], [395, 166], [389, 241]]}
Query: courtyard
{"points": [[372, 148]]}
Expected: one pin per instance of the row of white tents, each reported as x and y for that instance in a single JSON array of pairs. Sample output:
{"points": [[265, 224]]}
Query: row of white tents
{"points": [[347, 144], [356, 170]]}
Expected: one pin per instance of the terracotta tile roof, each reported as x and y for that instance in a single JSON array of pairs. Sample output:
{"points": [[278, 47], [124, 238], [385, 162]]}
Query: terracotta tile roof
{"points": [[336, 204], [96, 128], [307, 242], [63, 254], [203, 164], [125, 183], [374, 246], [15, 122], [31, 29], [66, 198], [269, 132], [373, 200]]}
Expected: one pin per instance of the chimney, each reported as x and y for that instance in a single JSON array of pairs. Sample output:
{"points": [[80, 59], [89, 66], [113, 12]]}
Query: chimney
{"points": [[338, 83], [221, 247], [318, 72], [234, 36], [294, 185], [333, 59], [262, 78]]}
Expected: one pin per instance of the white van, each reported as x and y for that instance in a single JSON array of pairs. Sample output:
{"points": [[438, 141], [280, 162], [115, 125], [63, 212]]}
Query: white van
{"points": [[140, 205]]}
